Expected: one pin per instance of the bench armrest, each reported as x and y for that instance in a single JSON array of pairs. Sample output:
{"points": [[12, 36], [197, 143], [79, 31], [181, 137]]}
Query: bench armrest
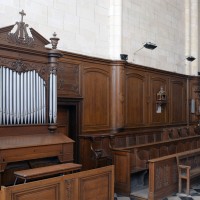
{"points": [[184, 166]]}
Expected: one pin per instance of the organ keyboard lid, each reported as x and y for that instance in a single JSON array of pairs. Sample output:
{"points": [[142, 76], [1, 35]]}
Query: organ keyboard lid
{"points": [[21, 141]]}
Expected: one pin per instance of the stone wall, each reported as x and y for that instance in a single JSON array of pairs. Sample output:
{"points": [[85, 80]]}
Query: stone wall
{"points": [[106, 28]]}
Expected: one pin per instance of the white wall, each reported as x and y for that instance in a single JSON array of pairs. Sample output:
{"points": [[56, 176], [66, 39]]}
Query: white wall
{"points": [[106, 28], [81, 25], [158, 21]]}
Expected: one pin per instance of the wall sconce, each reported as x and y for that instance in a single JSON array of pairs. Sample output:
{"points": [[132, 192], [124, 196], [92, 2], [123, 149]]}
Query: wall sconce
{"points": [[124, 57], [161, 100], [150, 45], [147, 45], [190, 58]]}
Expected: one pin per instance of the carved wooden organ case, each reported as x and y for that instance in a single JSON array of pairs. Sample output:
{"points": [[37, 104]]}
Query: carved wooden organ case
{"points": [[28, 98]]}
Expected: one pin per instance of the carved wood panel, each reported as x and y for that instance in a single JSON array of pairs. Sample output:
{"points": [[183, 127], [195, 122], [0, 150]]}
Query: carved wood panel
{"points": [[77, 186], [163, 177], [96, 94], [69, 80], [21, 66], [135, 98], [43, 192], [156, 82], [90, 184]]}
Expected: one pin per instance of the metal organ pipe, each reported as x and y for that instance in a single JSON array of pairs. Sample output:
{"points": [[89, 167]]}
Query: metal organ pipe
{"points": [[29, 99], [18, 99], [14, 97], [4, 96], [7, 96], [1, 94], [52, 98], [22, 97], [25, 97], [11, 96]]}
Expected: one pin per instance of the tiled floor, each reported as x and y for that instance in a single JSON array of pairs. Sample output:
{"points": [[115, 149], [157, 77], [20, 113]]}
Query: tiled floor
{"points": [[194, 195]]}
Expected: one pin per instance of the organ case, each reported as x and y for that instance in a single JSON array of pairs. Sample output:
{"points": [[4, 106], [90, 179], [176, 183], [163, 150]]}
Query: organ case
{"points": [[28, 98]]}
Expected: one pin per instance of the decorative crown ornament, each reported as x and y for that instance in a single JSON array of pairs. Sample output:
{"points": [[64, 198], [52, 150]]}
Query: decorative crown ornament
{"points": [[20, 36], [54, 41]]}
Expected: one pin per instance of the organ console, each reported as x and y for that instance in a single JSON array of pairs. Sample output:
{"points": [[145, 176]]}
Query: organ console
{"points": [[28, 99]]}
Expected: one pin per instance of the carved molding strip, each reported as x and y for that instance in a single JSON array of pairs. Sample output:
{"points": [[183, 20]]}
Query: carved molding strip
{"points": [[63, 83], [20, 66], [162, 176], [68, 187], [166, 175], [158, 178]]}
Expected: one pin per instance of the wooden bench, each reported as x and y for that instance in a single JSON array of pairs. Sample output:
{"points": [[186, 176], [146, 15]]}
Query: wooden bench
{"points": [[164, 176], [188, 168], [46, 171], [134, 159], [100, 144]]}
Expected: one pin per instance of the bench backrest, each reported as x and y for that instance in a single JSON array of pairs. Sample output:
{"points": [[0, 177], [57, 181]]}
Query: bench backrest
{"points": [[156, 150], [190, 158], [163, 172]]}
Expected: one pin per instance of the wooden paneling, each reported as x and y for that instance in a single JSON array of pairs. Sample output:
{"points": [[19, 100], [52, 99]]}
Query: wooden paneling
{"points": [[119, 96], [92, 184], [193, 95], [63, 119], [87, 185], [135, 98], [96, 103], [156, 82], [163, 178], [44, 192], [178, 101], [122, 172], [117, 99], [69, 80]]}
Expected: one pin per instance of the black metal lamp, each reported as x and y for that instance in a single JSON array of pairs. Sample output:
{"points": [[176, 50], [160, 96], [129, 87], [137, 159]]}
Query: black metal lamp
{"points": [[190, 58], [124, 57], [147, 45], [150, 45]]}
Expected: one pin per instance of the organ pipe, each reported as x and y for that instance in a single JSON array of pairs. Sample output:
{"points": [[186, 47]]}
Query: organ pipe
{"points": [[22, 97]]}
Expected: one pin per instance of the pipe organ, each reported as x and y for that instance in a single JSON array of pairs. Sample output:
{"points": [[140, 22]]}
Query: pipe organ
{"points": [[28, 101], [23, 97]]}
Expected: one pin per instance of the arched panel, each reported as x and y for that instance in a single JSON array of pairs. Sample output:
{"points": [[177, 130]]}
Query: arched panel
{"points": [[96, 113], [178, 101], [135, 100]]}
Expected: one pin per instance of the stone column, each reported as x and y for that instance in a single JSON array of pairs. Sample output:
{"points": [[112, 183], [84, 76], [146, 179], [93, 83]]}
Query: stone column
{"points": [[192, 35], [115, 28]]}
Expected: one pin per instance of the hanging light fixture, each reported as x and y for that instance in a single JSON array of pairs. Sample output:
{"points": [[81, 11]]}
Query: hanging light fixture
{"points": [[190, 58], [147, 45]]}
